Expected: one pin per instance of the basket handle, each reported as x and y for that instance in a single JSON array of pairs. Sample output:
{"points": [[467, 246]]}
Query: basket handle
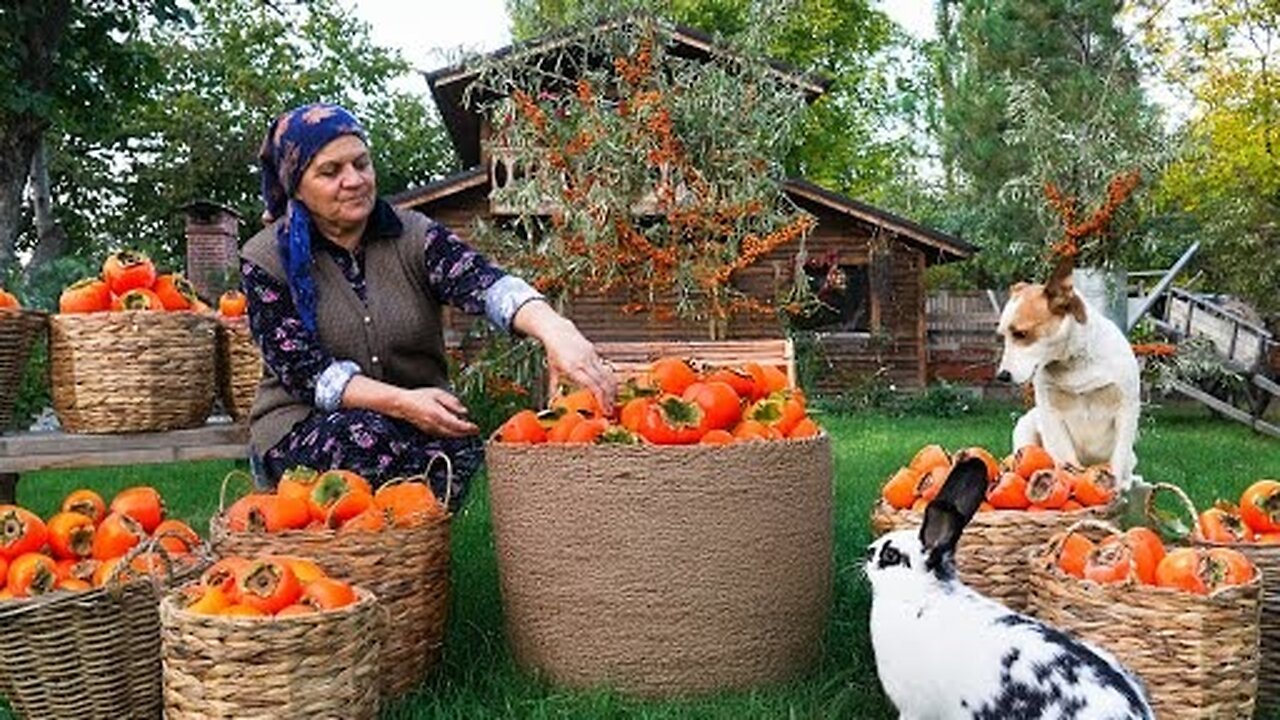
{"points": [[448, 475], [1149, 509], [116, 578], [222, 494]]}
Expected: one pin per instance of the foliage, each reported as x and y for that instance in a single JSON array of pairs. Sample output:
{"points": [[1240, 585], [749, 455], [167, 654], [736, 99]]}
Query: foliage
{"points": [[498, 377], [1196, 362], [602, 149]]}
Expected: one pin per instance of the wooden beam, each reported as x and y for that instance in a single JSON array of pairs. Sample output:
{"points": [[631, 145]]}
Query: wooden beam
{"points": [[1226, 408], [28, 451]]}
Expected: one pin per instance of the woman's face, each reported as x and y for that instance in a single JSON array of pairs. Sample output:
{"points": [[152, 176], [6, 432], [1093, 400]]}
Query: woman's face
{"points": [[339, 186]]}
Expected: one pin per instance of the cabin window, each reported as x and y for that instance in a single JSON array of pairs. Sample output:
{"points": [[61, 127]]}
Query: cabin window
{"points": [[844, 294]]}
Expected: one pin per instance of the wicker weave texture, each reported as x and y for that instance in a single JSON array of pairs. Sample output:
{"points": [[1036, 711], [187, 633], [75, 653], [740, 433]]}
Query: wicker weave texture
{"points": [[92, 654], [323, 665], [131, 371], [1267, 558], [1197, 655], [993, 552], [19, 331], [407, 568], [664, 570], [239, 366]]}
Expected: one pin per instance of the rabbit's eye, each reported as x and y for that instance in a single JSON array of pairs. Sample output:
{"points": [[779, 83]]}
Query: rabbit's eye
{"points": [[889, 556]]}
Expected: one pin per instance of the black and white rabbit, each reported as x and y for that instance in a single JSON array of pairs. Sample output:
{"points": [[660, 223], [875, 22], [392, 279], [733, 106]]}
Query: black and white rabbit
{"points": [[943, 651]]}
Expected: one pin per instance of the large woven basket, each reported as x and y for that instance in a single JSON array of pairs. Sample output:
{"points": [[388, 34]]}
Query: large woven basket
{"points": [[19, 331], [664, 570], [407, 568], [134, 371], [239, 366], [85, 654], [995, 547], [1197, 654], [322, 665]]}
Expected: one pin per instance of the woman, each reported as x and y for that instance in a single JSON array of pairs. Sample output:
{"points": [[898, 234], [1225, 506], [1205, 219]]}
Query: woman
{"points": [[344, 300]]}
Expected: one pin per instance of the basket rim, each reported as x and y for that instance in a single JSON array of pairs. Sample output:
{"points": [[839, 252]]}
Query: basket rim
{"points": [[882, 507], [493, 441], [16, 607], [364, 599], [1042, 564]]}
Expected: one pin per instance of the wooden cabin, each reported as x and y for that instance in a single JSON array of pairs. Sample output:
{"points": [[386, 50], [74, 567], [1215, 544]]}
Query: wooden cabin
{"points": [[866, 264]]}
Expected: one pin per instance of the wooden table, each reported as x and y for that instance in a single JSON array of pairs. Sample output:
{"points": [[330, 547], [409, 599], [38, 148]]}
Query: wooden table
{"points": [[44, 450]]}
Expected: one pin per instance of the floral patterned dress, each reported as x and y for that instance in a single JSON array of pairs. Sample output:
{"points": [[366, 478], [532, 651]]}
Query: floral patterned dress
{"points": [[377, 446]]}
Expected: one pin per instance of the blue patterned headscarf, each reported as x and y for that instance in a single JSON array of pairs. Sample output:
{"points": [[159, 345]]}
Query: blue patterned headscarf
{"points": [[292, 140]]}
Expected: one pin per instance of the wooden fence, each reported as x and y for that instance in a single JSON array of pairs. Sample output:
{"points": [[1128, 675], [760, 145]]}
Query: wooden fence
{"points": [[962, 342]]}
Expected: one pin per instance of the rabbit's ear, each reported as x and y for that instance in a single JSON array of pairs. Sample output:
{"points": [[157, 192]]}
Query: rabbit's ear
{"points": [[948, 513]]}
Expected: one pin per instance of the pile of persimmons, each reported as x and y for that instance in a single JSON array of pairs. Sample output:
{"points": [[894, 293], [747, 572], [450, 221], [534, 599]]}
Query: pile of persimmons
{"points": [[674, 403], [338, 500], [271, 586], [1138, 555], [81, 545], [129, 281], [1256, 519], [1029, 479]]}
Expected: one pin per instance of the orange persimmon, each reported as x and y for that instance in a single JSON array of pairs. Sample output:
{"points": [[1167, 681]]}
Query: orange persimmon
{"points": [[85, 296], [232, 303], [929, 457], [1183, 569], [175, 292], [717, 437], [1221, 525], [1260, 506], [1096, 485], [1030, 458], [1110, 562], [523, 427], [137, 299], [328, 594], [128, 270], [142, 503], [900, 491], [1049, 488], [268, 585], [87, 503], [21, 531], [70, 535], [1076, 549], [1148, 550], [31, 574], [1009, 492], [407, 503]]}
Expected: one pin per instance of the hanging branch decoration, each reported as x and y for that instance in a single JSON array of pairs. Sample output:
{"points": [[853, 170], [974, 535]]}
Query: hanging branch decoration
{"points": [[639, 171], [1079, 237]]}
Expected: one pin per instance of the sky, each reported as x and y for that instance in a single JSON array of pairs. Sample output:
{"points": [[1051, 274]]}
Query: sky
{"points": [[431, 33]]}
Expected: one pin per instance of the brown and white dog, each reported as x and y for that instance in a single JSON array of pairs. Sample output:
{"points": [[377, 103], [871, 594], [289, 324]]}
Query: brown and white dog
{"points": [[1085, 376]]}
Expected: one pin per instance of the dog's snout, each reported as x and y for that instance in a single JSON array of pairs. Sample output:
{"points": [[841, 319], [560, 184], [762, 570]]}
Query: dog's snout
{"points": [[1004, 376]]}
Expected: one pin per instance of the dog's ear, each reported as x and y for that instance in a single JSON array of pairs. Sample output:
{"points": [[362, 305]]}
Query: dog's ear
{"points": [[1061, 293]]}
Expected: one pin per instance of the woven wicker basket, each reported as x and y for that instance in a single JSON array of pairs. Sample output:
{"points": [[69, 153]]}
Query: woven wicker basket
{"points": [[19, 331], [994, 549], [664, 570], [239, 366], [88, 654], [1197, 654], [323, 665], [133, 371], [407, 568]]}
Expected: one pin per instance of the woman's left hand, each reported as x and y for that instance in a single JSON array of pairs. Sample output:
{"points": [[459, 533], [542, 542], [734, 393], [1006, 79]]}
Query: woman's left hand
{"points": [[569, 355]]}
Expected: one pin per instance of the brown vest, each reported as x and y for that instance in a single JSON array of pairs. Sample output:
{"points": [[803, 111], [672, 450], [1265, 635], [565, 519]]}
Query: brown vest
{"points": [[397, 338]]}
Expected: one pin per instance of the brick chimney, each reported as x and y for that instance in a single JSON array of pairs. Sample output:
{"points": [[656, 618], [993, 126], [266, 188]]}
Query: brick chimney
{"points": [[213, 242]]}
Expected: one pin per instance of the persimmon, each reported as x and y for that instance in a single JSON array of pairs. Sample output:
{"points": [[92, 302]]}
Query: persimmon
{"points": [[328, 594], [1220, 525], [85, 296], [232, 303], [1272, 538], [901, 489], [1227, 567], [106, 570], [4, 571], [993, 466], [1049, 488], [1148, 550], [241, 610], [176, 537], [720, 402], [931, 482], [331, 488], [137, 299], [929, 457], [9, 301], [1110, 562], [306, 569], [1009, 492], [1072, 505], [580, 401], [633, 411], [175, 292], [82, 569], [673, 421], [21, 531], [70, 535], [919, 505], [142, 503], [1260, 506], [1183, 569], [1096, 485], [87, 503], [31, 574], [671, 375], [371, 519], [225, 575], [207, 599], [347, 507], [72, 585], [523, 427], [776, 411], [751, 430], [256, 512], [768, 379], [128, 270], [1030, 458], [588, 431], [297, 482], [1076, 549], [735, 377], [717, 437], [268, 585], [295, 610], [407, 503], [806, 428]]}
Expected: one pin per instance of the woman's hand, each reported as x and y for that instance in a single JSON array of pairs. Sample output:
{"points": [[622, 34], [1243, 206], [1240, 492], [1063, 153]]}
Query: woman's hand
{"points": [[569, 355], [435, 412]]}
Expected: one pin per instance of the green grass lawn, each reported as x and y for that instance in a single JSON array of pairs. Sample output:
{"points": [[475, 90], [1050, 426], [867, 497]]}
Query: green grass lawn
{"points": [[1208, 457]]}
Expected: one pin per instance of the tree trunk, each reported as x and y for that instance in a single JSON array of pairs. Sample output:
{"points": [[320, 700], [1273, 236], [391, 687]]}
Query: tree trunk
{"points": [[51, 241], [16, 147]]}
